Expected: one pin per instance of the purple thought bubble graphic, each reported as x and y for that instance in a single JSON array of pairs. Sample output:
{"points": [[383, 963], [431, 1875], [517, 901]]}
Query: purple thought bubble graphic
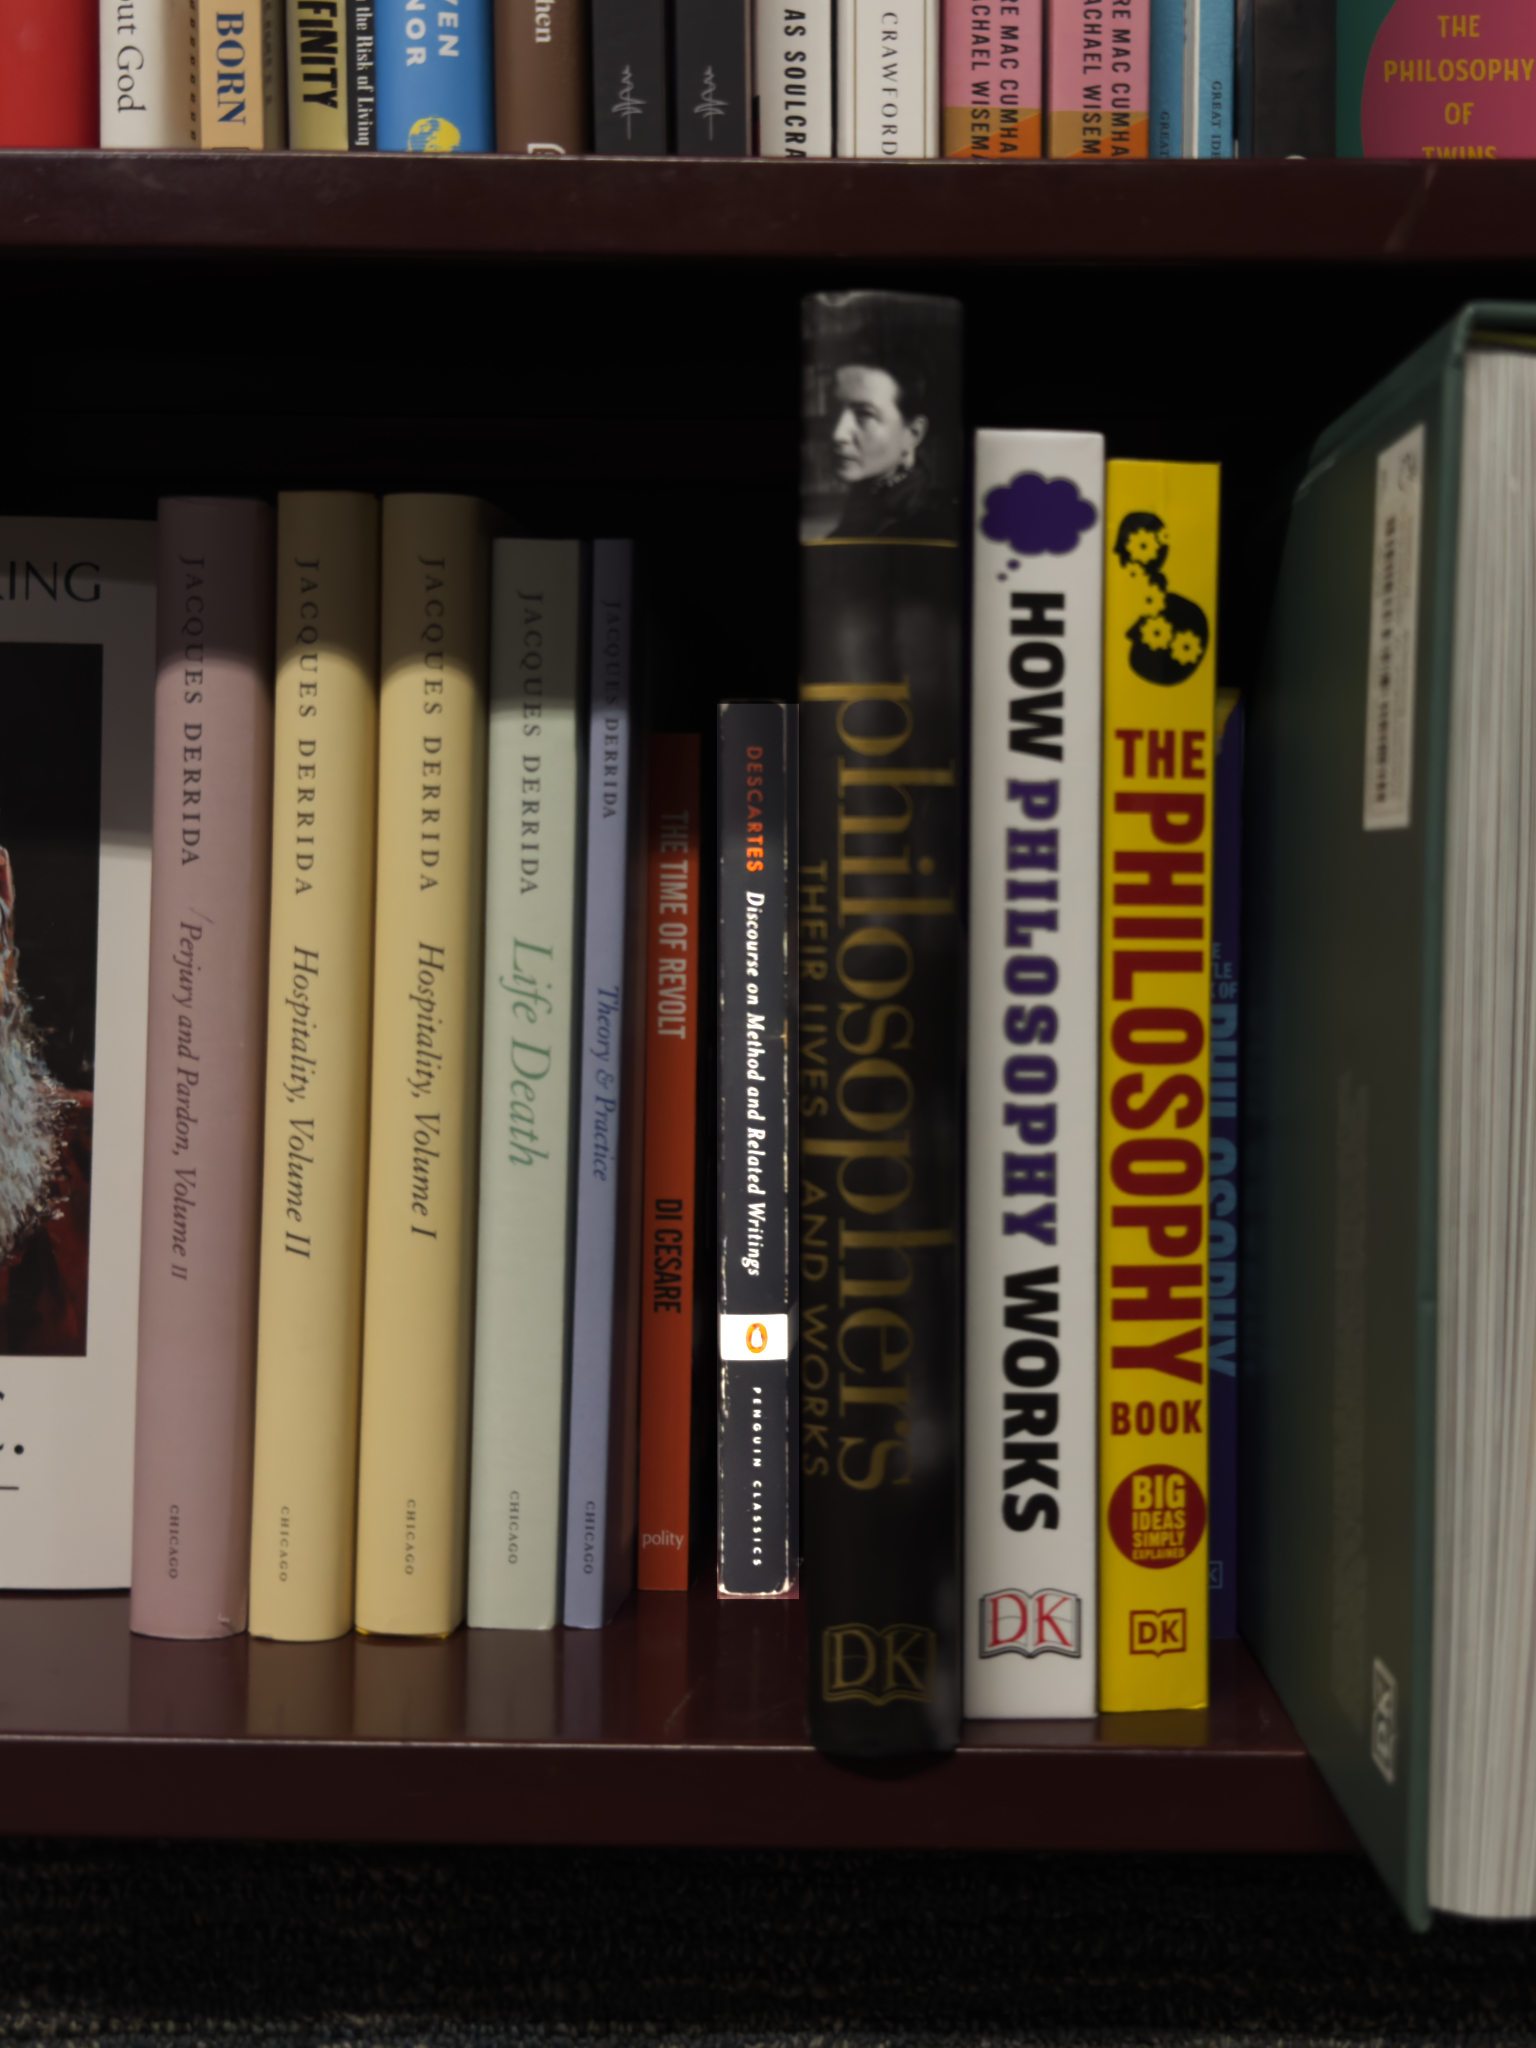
{"points": [[1038, 516]]}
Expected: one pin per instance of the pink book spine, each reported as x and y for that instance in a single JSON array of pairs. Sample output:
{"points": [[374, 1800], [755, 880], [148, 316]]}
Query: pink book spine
{"points": [[207, 1019], [1099, 93], [993, 78]]}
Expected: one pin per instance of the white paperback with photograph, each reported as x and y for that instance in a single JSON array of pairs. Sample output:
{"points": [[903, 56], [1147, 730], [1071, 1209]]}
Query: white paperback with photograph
{"points": [[1030, 1615], [77, 689]]}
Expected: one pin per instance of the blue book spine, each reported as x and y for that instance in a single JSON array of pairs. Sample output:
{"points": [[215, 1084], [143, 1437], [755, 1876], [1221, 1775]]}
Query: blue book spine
{"points": [[1167, 128], [1226, 975], [601, 1466], [1210, 78], [433, 76]]}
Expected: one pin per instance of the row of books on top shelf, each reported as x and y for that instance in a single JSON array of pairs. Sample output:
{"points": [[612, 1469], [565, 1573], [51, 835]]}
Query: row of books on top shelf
{"points": [[1043, 1546], [1005, 79]]}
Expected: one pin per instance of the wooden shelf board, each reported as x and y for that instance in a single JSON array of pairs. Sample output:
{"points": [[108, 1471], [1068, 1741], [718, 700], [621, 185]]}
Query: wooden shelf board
{"points": [[682, 1723], [669, 207]]}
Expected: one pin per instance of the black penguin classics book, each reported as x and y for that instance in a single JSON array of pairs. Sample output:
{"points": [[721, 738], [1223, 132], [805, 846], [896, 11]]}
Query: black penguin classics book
{"points": [[881, 934]]}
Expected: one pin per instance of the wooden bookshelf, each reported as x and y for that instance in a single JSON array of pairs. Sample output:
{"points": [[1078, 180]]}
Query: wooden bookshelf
{"points": [[683, 1723], [633, 208]]}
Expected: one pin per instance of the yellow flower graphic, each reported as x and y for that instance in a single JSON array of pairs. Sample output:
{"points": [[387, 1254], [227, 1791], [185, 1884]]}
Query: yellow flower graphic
{"points": [[1157, 633], [1187, 648], [1144, 546]]}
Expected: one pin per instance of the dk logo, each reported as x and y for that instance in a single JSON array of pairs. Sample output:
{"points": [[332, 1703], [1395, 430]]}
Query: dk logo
{"points": [[1158, 1632], [1031, 1624]]}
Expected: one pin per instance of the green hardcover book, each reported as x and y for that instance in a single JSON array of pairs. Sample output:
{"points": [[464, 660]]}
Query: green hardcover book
{"points": [[1390, 1152]]}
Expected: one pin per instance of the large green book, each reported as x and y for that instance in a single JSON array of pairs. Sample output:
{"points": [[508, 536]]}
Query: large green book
{"points": [[1390, 1290]]}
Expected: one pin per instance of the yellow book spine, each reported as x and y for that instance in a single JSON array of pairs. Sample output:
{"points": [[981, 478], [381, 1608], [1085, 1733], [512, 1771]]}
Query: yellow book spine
{"points": [[1154, 1415], [318, 80], [423, 1162], [319, 1011], [239, 74]]}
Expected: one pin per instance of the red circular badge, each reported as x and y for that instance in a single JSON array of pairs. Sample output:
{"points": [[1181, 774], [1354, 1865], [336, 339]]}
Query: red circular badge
{"points": [[1157, 1516]]}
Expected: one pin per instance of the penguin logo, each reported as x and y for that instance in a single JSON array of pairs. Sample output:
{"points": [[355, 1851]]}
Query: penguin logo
{"points": [[1169, 639], [757, 1339]]}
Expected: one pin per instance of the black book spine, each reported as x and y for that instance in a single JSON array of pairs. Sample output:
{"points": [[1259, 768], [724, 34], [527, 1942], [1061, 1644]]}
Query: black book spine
{"points": [[881, 937], [362, 98], [1285, 77], [630, 78], [758, 1420], [710, 78]]}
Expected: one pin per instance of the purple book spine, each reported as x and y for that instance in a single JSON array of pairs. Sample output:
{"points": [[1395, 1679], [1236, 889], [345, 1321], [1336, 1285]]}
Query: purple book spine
{"points": [[1226, 965]]}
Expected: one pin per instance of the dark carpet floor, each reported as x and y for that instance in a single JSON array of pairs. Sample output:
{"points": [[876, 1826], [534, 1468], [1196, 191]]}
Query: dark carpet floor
{"points": [[174, 1944]]}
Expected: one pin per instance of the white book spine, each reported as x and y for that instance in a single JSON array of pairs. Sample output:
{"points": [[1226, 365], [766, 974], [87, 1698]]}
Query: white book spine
{"points": [[888, 78], [794, 67], [146, 75], [1030, 1617], [532, 1004]]}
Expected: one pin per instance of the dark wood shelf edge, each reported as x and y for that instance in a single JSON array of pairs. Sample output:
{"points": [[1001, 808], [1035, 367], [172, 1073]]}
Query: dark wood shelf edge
{"points": [[643, 1795], [289, 203]]}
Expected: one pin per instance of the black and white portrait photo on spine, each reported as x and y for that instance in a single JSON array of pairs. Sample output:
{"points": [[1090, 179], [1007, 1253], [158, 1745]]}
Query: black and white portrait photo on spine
{"points": [[882, 454]]}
